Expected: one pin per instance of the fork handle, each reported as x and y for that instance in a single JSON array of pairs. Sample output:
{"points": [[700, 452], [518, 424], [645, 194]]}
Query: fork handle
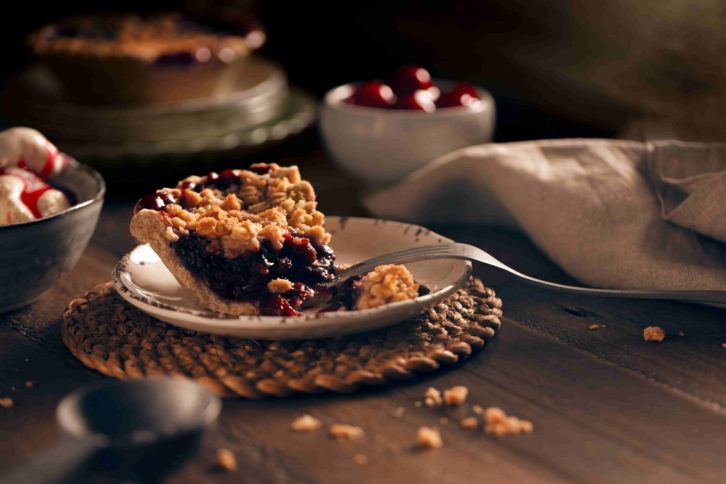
{"points": [[469, 252]]}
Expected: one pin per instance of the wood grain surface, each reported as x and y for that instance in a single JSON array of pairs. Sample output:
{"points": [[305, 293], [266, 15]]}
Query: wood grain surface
{"points": [[606, 405]]}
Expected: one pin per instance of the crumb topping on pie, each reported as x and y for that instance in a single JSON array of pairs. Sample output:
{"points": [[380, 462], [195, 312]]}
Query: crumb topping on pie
{"points": [[148, 38], [238, 210], [384, 285]]}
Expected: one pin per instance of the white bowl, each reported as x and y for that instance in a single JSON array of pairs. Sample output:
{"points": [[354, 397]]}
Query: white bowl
{"points": [[384, 145]]}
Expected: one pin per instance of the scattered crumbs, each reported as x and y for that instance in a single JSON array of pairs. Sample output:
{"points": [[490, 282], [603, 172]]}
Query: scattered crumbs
{"points": [[6, 402], [12, 388], [432, 397], [443, 420], [345, 432], [654, 333], [27, 360], [360, 459], [593, 327], [429, 438], [399, 412], [305, 423], [29, 384], [456, 395], [681, 333], [498, 423], [468, 423], [226, 460], [477, 409], [723, 345], [417, 404]]}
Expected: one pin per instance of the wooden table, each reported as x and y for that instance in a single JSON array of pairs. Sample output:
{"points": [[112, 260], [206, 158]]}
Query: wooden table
{"points": [[606, 405]]}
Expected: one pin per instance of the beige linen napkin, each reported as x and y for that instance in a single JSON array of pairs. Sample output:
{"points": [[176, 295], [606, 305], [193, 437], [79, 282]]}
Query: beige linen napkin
{"points": [[613, 214]]}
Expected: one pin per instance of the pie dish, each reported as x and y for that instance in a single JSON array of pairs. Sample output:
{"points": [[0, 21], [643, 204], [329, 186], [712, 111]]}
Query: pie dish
{"points": [[163, 58], [242, 241]]}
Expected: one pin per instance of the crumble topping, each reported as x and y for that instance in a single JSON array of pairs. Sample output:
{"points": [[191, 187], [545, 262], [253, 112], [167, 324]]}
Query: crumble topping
{"points": [[498, 423], [237, 209], [429, 438], [145, 38], [226, 460], [305, 423], [384, 285], [654, 333], [456, 395], [279, 286], [345, 432]]}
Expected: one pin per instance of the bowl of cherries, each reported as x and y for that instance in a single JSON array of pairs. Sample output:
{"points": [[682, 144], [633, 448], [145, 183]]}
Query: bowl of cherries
{"points": [[382, 131]]}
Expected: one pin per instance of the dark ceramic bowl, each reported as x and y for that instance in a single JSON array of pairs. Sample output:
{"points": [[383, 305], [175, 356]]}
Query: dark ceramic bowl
{"points": [[33, 255]]}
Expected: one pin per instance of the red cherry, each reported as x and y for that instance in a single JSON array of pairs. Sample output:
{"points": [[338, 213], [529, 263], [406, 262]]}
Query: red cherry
{"points": [[409, 79], [260, 168], [462, 88], [462, 94], [418, 101], [372, 94]]}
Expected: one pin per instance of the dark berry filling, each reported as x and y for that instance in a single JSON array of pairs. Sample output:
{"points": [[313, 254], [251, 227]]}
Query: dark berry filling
{"points": [[300, 260], [155, 201]]}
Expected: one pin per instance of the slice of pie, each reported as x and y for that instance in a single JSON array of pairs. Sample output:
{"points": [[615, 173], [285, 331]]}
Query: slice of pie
{"points": [[242, 241]]}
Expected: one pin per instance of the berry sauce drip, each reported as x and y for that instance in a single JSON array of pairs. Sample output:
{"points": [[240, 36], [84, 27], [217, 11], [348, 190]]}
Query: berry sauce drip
{"points": [[156, 201]]}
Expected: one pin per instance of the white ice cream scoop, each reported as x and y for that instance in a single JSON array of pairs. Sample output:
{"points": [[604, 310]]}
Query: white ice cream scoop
{"points": [[28, 148], [24, 196]]}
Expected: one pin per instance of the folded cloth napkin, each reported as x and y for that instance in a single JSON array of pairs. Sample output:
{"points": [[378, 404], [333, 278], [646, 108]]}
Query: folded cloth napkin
{"points": [[613, 214]]}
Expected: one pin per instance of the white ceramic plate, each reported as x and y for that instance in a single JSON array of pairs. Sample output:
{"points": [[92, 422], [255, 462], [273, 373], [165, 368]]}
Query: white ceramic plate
{"points": [[142, 280]]}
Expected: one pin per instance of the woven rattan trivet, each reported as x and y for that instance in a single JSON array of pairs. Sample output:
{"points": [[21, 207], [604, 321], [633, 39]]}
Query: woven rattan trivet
{"points": [[109, 335]]}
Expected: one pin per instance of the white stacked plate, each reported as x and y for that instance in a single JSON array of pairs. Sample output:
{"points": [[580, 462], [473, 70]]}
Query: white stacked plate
{"points": [[263, 109]]}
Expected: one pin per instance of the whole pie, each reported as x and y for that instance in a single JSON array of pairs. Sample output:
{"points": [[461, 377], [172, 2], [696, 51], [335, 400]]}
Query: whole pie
{"points": [[132, 59]]}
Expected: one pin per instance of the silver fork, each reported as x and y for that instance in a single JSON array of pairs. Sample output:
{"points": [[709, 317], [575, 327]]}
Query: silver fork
{"points": [[469, 252]]}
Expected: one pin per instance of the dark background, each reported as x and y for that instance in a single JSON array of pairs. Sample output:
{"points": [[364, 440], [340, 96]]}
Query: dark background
{"points": [[321, 47]]}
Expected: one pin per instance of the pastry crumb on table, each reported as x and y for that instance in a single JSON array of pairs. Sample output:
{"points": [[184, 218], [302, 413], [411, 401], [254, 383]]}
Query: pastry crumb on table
{"points": [[432, 397], [456, 395], [305, 423], [226, 460], [6, 402], [655, 334], [469, 423], [499, 424], [346, 432], [429, 438]]}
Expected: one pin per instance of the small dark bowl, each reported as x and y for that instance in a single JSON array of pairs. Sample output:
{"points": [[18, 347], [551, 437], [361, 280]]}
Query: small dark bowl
{"points": [[33, 255]]}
